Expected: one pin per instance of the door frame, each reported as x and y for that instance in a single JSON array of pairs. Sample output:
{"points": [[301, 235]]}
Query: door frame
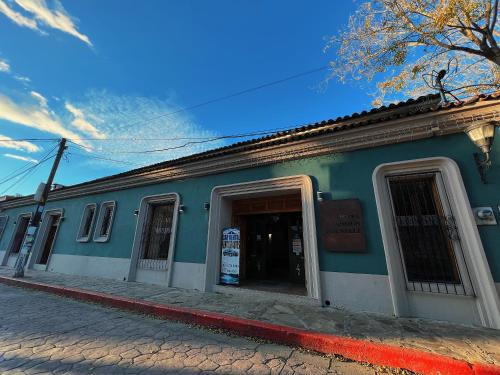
{"points": [[139, 233], [11, 241], [221, 213], [42, 234], [488, 302]]}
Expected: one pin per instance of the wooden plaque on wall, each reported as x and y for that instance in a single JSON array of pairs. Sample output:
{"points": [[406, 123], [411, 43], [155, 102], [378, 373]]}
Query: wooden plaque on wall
{"points": [[342, 226]]}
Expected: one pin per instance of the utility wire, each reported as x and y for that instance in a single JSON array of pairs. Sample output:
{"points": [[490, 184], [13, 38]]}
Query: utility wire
{"points": [[103, 158], [10, 176], [27, 173], [183, 109]]}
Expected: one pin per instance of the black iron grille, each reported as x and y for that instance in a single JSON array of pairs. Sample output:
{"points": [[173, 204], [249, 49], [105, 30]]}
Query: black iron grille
{"points": [[425, 234]]}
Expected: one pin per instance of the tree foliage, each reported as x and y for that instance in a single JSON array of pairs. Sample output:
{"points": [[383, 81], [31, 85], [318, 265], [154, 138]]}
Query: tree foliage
{"points": [[403, 41]]}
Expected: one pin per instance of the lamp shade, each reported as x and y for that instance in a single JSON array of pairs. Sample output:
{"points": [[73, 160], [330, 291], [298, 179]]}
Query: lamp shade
{"points": [[482, 135]]}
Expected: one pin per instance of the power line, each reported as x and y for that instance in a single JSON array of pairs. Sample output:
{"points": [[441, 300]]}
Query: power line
{"points": [[194, 106], [26, 174], [10, 176], [238, 93], [103, 158]]}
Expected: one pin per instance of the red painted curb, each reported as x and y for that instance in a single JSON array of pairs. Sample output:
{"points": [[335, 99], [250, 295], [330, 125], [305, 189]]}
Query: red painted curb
{"points": [[355, 349]]}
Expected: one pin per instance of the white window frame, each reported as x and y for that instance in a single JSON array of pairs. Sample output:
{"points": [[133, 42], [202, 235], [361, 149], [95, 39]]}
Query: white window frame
{"points": [[8, 251], [79, 236], [140, 232], [488, 302], [2, 231], [100, 219]]}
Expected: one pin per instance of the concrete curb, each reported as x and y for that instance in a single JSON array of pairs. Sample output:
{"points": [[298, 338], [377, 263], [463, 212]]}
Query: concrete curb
{"points": [[355, 349]]}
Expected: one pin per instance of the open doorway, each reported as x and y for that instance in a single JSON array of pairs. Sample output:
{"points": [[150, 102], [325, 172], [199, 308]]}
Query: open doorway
{"points": [[17, 240], [272, 256], [48, 239]]}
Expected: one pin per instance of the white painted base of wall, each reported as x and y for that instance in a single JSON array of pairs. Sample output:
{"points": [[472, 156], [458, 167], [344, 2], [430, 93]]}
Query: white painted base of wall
{"points": [[112, 268], [40, 267], [357, 292], [188, 275], [11, 262], [151, 276]]}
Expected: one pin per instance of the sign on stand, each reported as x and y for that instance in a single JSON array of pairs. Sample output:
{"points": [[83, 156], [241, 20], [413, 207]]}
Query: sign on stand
{"points": [[230, 257]]}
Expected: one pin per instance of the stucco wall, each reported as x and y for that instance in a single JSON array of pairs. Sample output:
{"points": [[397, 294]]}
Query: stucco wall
{"points": [[346, 175]]}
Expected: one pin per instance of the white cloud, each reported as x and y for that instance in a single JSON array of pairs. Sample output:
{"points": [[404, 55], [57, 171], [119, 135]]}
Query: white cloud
{"points": [[7, 142], [22, 79], [127, 117], [56, 18], [23, 158], [4, 66], [34, 115], [80, 122], [40, 98], [17, 17]]}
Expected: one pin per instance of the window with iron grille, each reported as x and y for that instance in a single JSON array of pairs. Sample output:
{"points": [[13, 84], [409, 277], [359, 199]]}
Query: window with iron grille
{"points": [[156, 237], [426, 234], [86, 222], [105, 221]]}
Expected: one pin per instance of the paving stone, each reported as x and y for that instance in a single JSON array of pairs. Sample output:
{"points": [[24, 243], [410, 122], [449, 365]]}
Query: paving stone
{"points": [[99, 340]]}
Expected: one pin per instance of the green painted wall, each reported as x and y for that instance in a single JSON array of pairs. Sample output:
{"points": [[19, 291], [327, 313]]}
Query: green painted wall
{"points": [[346, 175]]}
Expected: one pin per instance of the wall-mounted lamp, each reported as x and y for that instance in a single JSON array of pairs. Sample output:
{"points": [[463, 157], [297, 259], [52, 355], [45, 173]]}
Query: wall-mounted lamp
{"points": [[136, 212], [182, 208], [320, 196], [206, 206], [482, 135]]}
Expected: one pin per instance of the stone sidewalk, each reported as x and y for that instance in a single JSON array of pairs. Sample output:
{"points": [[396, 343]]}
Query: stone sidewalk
{"points": [[461, 342]]}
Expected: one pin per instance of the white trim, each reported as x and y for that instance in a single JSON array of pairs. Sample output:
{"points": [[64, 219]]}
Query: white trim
{"points": [[488, 303], [407, 128], [5, 227], [100, 219], [41, 237], [11, 241], [220, 217], [139, 232], [79, 237]]}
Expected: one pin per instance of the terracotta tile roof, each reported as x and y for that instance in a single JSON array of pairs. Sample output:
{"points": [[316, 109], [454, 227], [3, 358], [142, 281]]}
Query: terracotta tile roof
{"points": [[411, 107]]}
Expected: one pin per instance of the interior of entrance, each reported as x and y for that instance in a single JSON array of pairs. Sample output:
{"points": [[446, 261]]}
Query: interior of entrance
{"points": [[49, 239], [272, 255]]}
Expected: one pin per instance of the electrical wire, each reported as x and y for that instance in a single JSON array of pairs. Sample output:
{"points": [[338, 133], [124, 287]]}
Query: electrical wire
{"points": [[43, 159], [27, 173], [183, 109], [103, 158]]}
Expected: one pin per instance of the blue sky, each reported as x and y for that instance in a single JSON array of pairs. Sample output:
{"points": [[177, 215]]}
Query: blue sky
{"points": [[100, 71]]}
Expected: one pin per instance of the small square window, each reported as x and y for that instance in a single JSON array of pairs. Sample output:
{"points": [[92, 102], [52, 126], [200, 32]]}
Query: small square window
{"points": [[86, 222], [105, 221]]}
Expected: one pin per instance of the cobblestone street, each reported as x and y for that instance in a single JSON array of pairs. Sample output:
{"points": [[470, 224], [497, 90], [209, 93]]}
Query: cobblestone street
{"points": [[46, 334]]}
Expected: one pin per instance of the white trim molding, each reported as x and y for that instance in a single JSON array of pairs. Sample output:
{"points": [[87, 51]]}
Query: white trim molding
{"points": [[221, 213], [79, 236], [139, 233], [100, 219], [41, 237], [13, 235], [366, 132], [487, 301]]}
